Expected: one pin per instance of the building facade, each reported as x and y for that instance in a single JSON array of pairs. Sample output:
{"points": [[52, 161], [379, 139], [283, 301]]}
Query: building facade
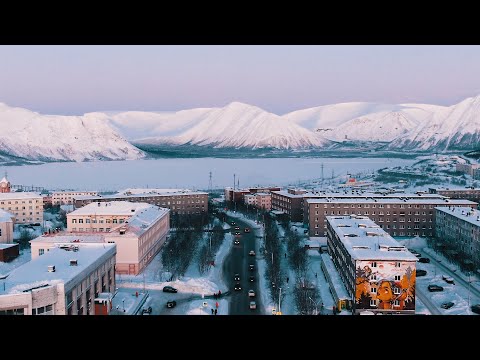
{"points": [[6, 227], [5, 186], [64, 281], [378, 273], [138, 229], [27, 207], [467, 168], [67, 197], [8, 252], [289, 202], [401, 216], [472, 194], [182, 202], [259, 200], [458, 228]]}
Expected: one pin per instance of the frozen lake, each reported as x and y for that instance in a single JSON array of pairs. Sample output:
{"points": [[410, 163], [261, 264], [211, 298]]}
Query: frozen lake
{"points": [[190, 173]]}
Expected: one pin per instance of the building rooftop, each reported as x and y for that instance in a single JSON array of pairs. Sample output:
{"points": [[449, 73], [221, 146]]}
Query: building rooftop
{"points": [[397, 200], [365, 240], [464, 213], [72, 191], [111, 208], [5, 216], [138, 195], [262, 193], [143, 219], [287, 194], [20, 195], [159, 192], [335, 277], [35, 273], [67, 238], [455, 188], [6, 246]]}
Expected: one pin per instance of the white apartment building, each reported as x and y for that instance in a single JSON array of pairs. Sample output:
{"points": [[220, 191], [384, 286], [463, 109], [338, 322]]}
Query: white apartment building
{"points": [[67, 197], [26, 206]]}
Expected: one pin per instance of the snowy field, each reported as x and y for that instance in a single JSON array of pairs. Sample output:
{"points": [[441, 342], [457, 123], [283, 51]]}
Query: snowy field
{"points": [[25, 256], [117, 175]]}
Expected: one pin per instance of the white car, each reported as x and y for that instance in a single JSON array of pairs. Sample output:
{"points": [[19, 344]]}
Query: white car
{"points": [[251, 253], [448, 279], [251, 293], [253, 305]]}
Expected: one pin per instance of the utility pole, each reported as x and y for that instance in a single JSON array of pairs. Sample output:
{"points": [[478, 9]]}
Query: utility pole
{"points": [[279, 300], [322, 172], [234, 184], [210, 182]]}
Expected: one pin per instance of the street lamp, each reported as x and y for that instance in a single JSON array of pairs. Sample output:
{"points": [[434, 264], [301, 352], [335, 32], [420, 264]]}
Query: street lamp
{"points": [[279, 300], [315, 304], [123, 301]]}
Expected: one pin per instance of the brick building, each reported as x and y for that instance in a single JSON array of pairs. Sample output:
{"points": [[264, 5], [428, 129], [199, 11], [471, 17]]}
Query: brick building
{"points": [[459, 193], [26, 206]]}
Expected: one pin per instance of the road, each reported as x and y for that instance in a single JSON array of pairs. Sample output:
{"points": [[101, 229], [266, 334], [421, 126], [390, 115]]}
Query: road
{"points": [[427, 302], [237, 262]]}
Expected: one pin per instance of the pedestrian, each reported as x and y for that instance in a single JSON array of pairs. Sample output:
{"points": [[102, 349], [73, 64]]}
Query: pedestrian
{"points": [[315, 275], [216, 304], [287, 279], [212, 311], [214, 295], [215, 311], [219, 293], [285, 255]]}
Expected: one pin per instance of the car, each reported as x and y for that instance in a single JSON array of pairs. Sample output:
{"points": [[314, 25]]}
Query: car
{"points": [[237, 232], [238, 287], [448, 279], [424, 260], [237, 277], [251, 267], [421, 272], [434, 287], [251, 293], [418, 255], [447, 305], [233, 223], [252, 278], [171, 304], [475, 308], [251, 253], [247, 230], [147, 310], [237, 227], [236, 242], [253, 305], [169, 289]]}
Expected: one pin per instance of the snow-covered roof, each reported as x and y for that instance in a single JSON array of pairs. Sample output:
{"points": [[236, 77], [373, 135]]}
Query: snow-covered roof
{"points": [[6, 246], [143, 219], [21, 195], [5, 216], [287, 194], [68, 238], [111, 208], [159, 192], [399, 200], [464, 213], [365, 240], [455, 188], [4, 180], [140, 195], [35, 272], [65, 192], [262, 194], [335, 277]]}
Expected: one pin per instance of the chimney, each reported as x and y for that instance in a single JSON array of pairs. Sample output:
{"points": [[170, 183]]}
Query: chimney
{"points": [[73, 262], [51, 268]]}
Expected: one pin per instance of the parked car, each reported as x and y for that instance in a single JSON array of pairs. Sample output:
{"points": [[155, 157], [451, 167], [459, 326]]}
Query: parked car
{"points": [[238, 287], [421, 272], [237, 277], [171, 304], [475, 308], [233, 223], [251, 267], [433, 288], [247, 230], [237, 227], [169, 289], [147, 310], [251, 253], [448, 279], [447, 305], [236, 242], [424, 260], [252, 278], [253, 305], [237, 232], [251, 293]]}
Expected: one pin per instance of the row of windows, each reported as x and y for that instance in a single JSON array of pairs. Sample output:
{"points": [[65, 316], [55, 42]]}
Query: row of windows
{"points": [[43, 310], [373, 303], [100, 221], [381, 206], [92, 229], [20, 311], [23, 202]]}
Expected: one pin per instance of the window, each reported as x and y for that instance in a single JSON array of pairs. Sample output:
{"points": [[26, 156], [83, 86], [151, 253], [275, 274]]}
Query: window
{"points": [[396, 290], [373, 303], [374, 264], [373, 290], [74, 229], [396, 303], [108, 221], [373, 277], [41, 252], [397, 277], [121, 221], [114, 221], [80, 221], [74, 221], [87, 221], [397, 264]]}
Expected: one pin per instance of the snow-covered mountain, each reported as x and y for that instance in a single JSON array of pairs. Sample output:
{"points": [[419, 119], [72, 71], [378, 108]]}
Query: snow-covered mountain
{"points": [[449, 128], [236, 125], [33, 136]]}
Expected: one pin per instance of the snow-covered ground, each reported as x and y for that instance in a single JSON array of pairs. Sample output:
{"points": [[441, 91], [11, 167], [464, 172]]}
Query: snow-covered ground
{"points": [[25, 256]]}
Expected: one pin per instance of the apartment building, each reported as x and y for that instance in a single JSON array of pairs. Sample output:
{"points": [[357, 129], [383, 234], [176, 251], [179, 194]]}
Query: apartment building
{"points": [[182, 202], [67, 197], [64, 281], [378, 272], [401, 216], [6, 227], [290, 202], [467, 168], [459, 229], [27, 207], [472, 194], [138, 229], [235, 195]]}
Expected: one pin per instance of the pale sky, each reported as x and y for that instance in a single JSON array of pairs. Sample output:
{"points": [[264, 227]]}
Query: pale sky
{"points": [[79, 79]]}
